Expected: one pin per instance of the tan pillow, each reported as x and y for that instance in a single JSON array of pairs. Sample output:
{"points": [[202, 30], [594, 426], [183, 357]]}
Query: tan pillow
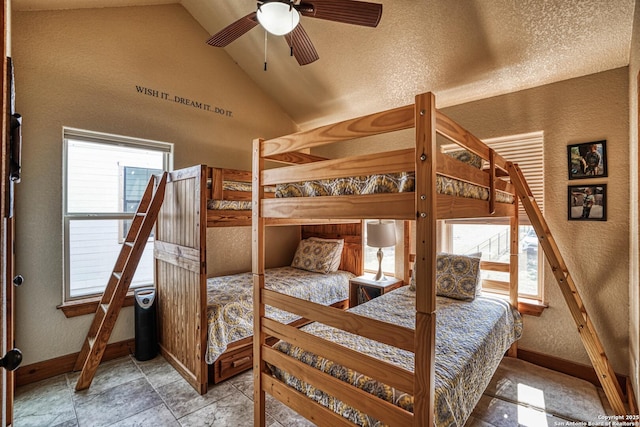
{"points": [[316, 256], [335, 264]]}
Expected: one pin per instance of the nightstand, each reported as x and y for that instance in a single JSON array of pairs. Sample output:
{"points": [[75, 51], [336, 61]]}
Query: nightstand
{"points": [[365, 288]]}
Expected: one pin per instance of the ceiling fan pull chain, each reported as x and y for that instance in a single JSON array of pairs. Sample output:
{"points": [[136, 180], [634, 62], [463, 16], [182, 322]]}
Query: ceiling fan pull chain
{"points": [[265, 50]]}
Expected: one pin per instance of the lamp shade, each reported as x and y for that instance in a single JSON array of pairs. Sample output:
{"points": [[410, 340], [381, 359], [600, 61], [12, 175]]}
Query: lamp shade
{"points": [[381, 234], [278, 17]]}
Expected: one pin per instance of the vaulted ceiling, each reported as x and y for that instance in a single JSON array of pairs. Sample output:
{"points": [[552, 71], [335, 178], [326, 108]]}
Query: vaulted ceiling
{"points": [[462, 50]]}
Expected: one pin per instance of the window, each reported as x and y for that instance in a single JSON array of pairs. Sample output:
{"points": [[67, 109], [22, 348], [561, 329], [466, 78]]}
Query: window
{"points": [[104, 178], [493, 241], [491, 237]]}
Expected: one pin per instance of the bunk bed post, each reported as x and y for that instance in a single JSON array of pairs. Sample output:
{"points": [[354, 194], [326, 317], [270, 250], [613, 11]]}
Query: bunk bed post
{"points": [[492, 182], [215, 192], [406, 232], [425, 265], [257, 266], [513, 269]]}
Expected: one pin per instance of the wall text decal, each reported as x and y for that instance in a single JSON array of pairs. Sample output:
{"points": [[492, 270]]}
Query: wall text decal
{"points": [[184, 101]]}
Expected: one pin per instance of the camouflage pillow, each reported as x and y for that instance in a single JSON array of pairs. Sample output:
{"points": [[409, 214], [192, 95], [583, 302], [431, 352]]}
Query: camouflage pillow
{"points": [[316, 255]]}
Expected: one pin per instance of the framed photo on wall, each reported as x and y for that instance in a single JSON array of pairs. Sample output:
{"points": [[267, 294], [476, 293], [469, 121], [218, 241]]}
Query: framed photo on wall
{"points": [[587, 202], [587, 160]]}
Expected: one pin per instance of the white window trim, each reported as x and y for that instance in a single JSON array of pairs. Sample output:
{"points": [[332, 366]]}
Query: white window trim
{"points": [[102, 138]]}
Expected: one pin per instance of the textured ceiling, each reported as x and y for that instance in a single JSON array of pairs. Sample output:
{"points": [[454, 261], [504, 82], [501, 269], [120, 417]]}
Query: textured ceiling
{"points": [[462, 50]]}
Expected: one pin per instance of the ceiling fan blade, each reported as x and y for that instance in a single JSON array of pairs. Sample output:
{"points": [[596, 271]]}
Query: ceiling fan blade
{"points": [[301, 45], [233, 31], [348, 12]]}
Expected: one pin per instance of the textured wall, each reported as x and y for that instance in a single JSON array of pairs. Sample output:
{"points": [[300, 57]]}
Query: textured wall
{"points": [[236, 241], [80, 68], [584, 109]]}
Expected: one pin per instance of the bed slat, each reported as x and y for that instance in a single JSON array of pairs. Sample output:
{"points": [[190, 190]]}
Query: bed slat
{"points": [[387, 162], [295, 158], [380, 409], [373, 124], [377, 330], [448, 166], [304, 406], [459, 207], [383, 206], [392, 375], [235, 175]]}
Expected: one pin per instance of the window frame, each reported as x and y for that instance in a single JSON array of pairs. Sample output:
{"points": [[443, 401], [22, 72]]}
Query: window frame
{"points": [[166, 148], [447, 246], [532, 165]]}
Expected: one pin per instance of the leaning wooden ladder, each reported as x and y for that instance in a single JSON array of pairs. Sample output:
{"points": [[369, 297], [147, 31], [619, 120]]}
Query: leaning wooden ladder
{"points": [[589, 336], [118, 286]]}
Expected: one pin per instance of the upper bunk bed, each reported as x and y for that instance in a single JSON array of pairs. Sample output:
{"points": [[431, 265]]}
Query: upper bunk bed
{"points": [[485, 193], [503, 184], [228, 197]]}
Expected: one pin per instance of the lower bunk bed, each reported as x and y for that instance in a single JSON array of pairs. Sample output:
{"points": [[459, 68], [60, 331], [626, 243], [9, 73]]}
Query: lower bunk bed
{"points": [[198, 332], [230, 311], [471, 339]]}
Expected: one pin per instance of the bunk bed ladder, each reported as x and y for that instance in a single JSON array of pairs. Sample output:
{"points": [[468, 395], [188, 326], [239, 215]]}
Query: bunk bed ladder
{"points": [[588, 334], [118, 285]]}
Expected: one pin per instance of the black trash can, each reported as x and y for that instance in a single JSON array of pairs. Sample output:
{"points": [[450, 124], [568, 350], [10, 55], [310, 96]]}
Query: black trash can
{"points": [[145, 324]]}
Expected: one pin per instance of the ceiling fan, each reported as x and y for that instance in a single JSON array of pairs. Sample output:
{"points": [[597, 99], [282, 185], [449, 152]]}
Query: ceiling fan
{"points": [[282, 17]]}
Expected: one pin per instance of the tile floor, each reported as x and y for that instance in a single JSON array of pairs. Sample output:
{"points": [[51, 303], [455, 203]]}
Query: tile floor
{"points": [[126, 392]]}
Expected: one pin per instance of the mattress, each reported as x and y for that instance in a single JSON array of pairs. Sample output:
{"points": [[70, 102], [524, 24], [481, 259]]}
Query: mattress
{"points": [[230, 301], [229, 205], [471, 338], [384, 183], [234, 205]]}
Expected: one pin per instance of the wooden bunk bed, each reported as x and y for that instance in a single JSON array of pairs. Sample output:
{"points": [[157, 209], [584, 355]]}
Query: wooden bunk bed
{"points": [[425, 204], [196, 198]]}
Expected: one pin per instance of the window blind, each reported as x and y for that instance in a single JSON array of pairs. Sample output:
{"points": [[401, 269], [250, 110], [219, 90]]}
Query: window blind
{"points": [[527, 150]]}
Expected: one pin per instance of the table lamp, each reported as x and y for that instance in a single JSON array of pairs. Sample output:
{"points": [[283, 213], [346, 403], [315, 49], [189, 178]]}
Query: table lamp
{"points": [[381, 235]]}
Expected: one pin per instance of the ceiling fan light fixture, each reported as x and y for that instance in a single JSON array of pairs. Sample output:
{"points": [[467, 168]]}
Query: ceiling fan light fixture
{"points": [[278, 17]]}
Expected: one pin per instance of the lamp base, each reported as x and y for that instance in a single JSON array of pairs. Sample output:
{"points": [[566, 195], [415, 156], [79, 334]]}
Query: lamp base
{"points": [[379, 277]]}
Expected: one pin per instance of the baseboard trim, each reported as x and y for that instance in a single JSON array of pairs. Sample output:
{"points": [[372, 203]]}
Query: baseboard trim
{"points": [[61, 365], [578, 370]]}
